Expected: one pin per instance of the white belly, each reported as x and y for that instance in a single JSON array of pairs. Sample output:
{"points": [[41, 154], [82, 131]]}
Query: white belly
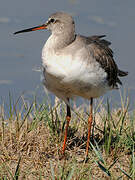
{"points": [[67, 77]]}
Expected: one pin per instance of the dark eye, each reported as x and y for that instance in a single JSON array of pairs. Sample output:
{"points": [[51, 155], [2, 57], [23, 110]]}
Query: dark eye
{"points": [[52, 20]]}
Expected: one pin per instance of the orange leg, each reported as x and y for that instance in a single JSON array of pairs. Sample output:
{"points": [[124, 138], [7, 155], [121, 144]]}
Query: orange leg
{"points": [[89, 126], [68, 117]]}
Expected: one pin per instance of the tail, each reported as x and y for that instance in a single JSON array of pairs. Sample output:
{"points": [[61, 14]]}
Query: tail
{"points": [[122, 73]]}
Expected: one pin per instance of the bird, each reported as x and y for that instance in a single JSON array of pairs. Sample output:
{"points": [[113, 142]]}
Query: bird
{"points": [[76, 66]]}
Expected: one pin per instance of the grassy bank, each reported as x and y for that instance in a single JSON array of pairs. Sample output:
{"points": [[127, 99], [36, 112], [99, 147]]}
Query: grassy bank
{"points": [[31, 138]]}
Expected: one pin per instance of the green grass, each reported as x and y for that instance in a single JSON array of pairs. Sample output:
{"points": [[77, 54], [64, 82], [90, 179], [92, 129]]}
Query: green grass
{"points": [[31, 137]]}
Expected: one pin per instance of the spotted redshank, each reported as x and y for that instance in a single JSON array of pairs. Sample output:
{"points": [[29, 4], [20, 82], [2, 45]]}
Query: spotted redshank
{"points": [[75, 65]]}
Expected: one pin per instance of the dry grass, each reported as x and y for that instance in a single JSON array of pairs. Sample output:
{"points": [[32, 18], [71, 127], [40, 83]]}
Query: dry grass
{"points": [[31, 138]]}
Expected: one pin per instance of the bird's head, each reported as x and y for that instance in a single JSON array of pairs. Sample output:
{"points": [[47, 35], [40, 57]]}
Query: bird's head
{"points": [[57, 23]]}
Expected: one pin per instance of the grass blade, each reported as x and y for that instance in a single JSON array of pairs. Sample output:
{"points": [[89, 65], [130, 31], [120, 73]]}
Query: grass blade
{"points": [[103, 169], [133, 163], [16, 176], [27, 114], [125, 173], [52, 171], [71, 173], [98, 154]]}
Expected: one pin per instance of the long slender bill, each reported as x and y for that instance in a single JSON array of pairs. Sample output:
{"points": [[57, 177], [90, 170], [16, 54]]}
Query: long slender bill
{"points": [[44, 26]]}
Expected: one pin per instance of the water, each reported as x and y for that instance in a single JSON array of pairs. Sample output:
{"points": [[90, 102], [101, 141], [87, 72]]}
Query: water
{"points": [[20, 55]]}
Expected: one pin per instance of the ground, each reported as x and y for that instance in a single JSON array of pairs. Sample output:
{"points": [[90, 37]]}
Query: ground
{"points": [[31, 139]]}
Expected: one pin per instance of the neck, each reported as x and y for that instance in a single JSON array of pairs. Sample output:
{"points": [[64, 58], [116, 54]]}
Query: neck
{"points": [[59, 41]]}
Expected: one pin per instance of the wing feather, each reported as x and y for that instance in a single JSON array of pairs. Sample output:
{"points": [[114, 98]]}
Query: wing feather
{"points": [[104, 56]]}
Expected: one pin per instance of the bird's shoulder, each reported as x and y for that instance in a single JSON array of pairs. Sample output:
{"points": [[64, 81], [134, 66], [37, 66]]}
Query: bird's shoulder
{"points": [[97, 44]]}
